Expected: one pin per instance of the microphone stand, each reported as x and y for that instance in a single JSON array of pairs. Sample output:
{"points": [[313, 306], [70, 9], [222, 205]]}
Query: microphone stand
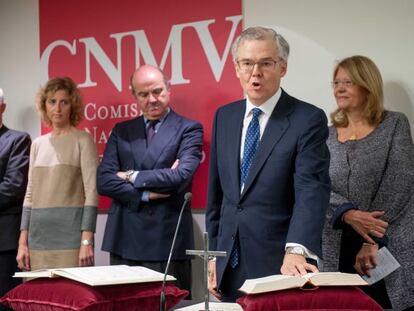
{"points": [[163, 302]]}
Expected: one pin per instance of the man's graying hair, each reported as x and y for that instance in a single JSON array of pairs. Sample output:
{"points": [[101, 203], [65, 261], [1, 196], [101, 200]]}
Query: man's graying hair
{"points": [[262, 33]]}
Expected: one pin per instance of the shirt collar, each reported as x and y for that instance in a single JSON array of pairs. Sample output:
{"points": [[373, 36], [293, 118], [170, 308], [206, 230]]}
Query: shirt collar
{"points": [[267, 107], [161, 119]]}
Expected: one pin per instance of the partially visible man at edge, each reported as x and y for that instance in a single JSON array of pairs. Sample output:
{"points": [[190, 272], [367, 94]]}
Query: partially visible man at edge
{"points": [[147, 167], [269, 173], [14, 166]]}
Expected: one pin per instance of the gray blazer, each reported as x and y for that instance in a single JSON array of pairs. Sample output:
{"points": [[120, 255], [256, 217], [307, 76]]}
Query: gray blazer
{"points": [[377, 173]]}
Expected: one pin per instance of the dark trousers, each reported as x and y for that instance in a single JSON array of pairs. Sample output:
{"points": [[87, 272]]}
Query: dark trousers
{"points": [[180, 269], [8, 266]]}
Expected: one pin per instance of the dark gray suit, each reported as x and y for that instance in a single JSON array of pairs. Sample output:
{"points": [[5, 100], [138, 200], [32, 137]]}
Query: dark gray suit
{"points": [[14, 165]]}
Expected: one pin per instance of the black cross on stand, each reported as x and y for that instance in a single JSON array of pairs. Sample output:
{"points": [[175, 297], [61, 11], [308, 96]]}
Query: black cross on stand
{"points": [[205, 254]]}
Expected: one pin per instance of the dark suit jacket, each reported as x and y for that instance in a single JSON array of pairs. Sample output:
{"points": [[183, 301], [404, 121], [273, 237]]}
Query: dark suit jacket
{"points": [[144, 230], [286, 192], [14, 166]]}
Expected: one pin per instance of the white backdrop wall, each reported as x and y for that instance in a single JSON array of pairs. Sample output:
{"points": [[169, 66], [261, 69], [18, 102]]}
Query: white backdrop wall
{"points": [[19, 63], [322, 31], [319, 31]]}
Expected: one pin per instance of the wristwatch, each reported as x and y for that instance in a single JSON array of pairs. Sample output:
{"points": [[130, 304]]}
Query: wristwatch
{"points": [[87, 242], [128, 175], [295, 250]]}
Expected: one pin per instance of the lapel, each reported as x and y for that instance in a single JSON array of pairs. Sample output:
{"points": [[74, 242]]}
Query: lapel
{"points": [[234, 119], [3, 136], [164, 136], [277, 125], [137, 141]]}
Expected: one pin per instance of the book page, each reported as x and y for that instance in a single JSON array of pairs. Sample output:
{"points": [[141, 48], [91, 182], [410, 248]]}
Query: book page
{"points": [[272, 283], [41, 273], [386, 263], [335, 279], [107, 275]]}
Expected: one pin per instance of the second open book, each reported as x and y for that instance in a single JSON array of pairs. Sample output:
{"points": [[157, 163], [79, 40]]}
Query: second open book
{"points": [[386, 264], [280, 282], [100, 275]]}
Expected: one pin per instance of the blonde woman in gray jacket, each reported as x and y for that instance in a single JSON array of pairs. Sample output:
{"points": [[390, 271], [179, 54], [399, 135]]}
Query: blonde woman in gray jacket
{"points": [[372, 174]]}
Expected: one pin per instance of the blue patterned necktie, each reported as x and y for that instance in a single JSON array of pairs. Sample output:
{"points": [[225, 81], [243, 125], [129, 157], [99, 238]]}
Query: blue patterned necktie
{"points": [[234, 255], [251, 142], [151, 130]]}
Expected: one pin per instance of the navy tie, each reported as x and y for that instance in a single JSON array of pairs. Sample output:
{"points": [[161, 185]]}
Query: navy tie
{"points": [[251, 142], [151, 130], [234, 255]]}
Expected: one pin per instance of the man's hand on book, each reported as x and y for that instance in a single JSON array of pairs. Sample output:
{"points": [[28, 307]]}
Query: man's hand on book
{"points": [[212, 281], [366, 259], [296, 265]]}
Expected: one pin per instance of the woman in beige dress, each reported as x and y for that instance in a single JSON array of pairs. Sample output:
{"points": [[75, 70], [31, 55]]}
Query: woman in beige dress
{"points": [[60, 206]]}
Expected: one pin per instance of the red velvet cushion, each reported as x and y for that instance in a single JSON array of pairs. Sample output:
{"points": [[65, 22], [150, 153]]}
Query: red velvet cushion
{"points": [[63, 294], [322, 298]]}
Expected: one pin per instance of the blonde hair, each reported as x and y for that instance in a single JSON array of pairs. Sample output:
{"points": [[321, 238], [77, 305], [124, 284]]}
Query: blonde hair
{"points": [[75, 97], [363, 72]]}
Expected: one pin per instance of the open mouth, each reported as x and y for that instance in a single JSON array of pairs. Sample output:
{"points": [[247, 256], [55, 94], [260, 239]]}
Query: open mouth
{"points": [[255, 85]]}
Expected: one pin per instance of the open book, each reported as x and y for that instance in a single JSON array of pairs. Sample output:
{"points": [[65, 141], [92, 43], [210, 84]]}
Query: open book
{"points": [[280, 282], [213, 306], [100, 275]]}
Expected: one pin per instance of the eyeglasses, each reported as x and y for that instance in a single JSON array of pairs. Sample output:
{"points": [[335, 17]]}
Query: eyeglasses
{"points": [[154, 92], [345, 83], [247, 65]]}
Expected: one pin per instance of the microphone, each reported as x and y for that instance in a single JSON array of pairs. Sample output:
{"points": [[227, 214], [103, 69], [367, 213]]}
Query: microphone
{"points": [[163, 303]]}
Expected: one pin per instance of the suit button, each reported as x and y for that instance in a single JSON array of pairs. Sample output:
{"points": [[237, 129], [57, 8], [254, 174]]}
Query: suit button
{"points": [[239, 208], [144, 184], [233, 237]]}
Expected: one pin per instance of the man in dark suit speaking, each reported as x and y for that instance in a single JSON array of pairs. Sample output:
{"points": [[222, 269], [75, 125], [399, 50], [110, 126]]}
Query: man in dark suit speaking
{"points": [[268, 181], [14, 165], [147, 167]]}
